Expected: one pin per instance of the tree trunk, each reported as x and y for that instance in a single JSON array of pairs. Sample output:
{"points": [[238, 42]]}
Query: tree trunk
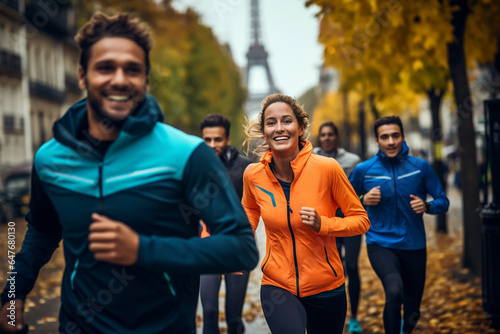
{"points": [[466, 135], [373, 107], [496, 72], [362, 132], [347, 126], [435, 97]]}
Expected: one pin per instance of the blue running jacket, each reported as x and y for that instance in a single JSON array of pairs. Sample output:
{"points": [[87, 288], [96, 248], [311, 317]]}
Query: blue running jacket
{"points": [[394, 224]]}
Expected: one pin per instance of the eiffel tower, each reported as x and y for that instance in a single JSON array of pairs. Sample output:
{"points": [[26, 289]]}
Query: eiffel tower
{"points": [[257, 56]]}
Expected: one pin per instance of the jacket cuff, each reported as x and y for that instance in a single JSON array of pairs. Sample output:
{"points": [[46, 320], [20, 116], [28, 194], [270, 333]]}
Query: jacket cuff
{"points": [[433, 208], [143, 258], [5, 298], [324, 229]]}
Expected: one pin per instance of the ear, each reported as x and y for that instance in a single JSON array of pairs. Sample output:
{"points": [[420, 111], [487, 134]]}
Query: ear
{"points": [[229, 140], [301, 131], [376, 140], [81, 78]]}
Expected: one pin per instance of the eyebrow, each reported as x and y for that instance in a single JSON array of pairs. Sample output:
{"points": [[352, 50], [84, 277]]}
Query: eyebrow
{"points": [[112, 61], [284, 116]]}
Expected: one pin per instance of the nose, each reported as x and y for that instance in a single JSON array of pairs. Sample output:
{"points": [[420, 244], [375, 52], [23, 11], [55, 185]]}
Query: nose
{"points": [[279, 127], [119, 77], [391, 140], [211, 143]]}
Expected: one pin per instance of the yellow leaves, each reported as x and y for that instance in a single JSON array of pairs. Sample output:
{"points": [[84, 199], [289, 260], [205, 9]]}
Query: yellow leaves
{"points": [[418, 65], [45, 320], [483, 29], [388, 43], [373, 5], [397, 21]]}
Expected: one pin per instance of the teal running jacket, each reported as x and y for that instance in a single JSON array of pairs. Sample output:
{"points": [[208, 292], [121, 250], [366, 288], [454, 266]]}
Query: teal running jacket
{"points": [[160, 182]]}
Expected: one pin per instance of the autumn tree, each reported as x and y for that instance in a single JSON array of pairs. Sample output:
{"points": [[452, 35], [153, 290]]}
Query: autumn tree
{"points": [[419, 44]]}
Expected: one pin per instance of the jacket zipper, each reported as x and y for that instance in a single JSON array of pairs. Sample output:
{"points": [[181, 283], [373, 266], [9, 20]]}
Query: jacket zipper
{"points": [[100, 189], [328, 261], [395, 190], [288, 211]]}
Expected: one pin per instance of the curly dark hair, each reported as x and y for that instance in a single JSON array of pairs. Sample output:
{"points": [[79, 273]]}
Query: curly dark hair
{"points": [[121, 25]]}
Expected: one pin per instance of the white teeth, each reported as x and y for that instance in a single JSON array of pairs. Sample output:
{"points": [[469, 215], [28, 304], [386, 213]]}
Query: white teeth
{"points": [[118, 98], [281, 138]]}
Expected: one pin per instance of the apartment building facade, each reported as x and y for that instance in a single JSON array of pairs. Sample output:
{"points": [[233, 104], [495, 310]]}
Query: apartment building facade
{"points": [[38, 74]]}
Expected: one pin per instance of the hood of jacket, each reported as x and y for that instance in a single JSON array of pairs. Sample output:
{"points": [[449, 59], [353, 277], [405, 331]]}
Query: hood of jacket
{"points": [[398, 158], [140, 122], [297, 164]]}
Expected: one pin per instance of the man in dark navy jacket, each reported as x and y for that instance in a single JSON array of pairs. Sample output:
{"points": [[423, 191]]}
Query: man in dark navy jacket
{"points": [[215, 129], [126, 192]]}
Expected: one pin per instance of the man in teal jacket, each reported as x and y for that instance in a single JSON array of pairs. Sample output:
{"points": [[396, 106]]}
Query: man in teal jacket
{"points": [[126, 192]]}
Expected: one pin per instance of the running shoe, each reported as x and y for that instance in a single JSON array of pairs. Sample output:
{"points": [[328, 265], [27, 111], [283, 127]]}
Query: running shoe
{"points": [[354, 326]]}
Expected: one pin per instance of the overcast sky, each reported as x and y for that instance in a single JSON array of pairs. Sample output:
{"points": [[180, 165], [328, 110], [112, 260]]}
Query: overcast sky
{"points": [[289, 32]]}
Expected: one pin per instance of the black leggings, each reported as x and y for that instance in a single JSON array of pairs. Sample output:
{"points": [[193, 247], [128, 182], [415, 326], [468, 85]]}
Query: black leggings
{"points": [[350, 261], [236, 287], [402, 273], [289, 314]]}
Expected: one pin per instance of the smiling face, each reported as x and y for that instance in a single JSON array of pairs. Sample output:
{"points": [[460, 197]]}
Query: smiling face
{"points": [[115, 80], [390, 140], [282, 130], [327, 139]]}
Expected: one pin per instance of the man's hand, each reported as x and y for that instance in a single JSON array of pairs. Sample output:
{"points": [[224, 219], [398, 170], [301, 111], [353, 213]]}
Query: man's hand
{"points": [[372, 197], [417, 204], [15, 315], [113, 241], [311, 218]]}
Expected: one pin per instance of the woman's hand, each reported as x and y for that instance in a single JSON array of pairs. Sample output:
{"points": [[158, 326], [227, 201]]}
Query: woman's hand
{"points": [[311, 218]]}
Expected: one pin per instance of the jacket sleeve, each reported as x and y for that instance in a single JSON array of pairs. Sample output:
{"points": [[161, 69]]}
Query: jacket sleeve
{"points": [[41, 240], [210, 194], [356, 180], [250, 205], [355, 220], [440, 202]]}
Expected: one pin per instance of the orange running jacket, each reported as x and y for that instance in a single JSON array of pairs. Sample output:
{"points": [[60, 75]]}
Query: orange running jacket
{"points": [[298, 259]]}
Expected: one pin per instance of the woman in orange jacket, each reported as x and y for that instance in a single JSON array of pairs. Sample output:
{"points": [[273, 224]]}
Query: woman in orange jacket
{"points": [[297, 194]]}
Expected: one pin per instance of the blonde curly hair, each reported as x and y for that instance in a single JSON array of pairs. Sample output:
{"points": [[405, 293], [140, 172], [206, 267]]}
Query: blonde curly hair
{"points": [[254, 130]]}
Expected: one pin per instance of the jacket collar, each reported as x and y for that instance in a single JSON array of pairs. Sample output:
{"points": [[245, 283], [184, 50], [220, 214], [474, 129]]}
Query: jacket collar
{"points": [[75, 119], [297, 164], [229, 155], [400, 157]]}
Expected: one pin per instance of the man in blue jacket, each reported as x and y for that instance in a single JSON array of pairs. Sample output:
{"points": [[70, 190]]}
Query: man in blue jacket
{"points": [[393, 187], [126, 192]]}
